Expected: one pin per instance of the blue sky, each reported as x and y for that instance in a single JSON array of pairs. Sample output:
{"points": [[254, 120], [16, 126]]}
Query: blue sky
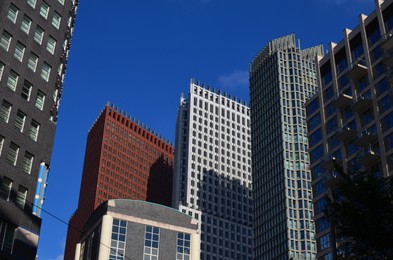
{"points": [[141, 55]]}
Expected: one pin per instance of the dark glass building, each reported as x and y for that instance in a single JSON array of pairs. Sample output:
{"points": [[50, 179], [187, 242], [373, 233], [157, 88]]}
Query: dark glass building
{"points": [[34, 44], [350, 119]]}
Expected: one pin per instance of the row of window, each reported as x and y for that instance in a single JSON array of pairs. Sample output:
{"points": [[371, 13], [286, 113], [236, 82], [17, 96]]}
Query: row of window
{"points": [[13, 12], [5, 192], [12, 156], [20, 120], [19, 54]]}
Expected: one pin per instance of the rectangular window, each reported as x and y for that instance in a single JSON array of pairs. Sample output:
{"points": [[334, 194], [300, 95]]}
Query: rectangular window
{"points": [[32, 3], [26, 24], [12, 156], [51, 46], [45, 72], [1, 143], [20, 120], [12, 13], [44, 11], [38, 34], [5, 111], [21, 197], [2, 65], [26, 90], [27, 162], [12, 80], [56, 20], [152, 239], [34, 130], [324, 241], [5, 40], [32, 62], [61, 2], [6, 186], [40, 100], [19, 51], [183, 246], [118, 241]]}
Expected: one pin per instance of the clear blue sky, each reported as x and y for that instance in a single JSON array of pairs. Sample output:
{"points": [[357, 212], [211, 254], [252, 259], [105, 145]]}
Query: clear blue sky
{"points": [[141, 54]]}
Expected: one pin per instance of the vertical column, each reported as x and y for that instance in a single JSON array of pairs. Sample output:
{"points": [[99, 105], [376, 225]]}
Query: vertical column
{"points": [[105, 239]]}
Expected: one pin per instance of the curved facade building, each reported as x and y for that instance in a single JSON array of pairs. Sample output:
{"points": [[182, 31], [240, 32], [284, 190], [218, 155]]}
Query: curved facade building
{"points": [[134, 229]]}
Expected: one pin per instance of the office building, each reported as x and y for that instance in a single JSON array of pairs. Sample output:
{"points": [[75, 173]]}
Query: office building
{"points": [[123, 159], [281, 77], [350, 120], [34, 45], [212, 174], [134, 229]]}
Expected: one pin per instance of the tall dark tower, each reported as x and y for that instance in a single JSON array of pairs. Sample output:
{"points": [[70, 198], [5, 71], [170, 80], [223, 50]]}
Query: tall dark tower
{"points": [[34, 43]]}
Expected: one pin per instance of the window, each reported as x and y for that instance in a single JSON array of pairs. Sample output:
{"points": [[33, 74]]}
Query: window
{"points": [[19, 51], [26, 90], [38, 34], [45, 72], [5, 111], [5, 40], [32, 3], [152, 238], [12, 80], [44, 11], [13, 154], [61, 2], [6, 186], [40, 100], [32, 62], [26, 24], [12, 13], [1, 143], [34, 130], [51, 46], [56, 20], [324, 241], [27, 162], [183, 246], [2, 65], [20, 120], [21, 197], [118, 240]]}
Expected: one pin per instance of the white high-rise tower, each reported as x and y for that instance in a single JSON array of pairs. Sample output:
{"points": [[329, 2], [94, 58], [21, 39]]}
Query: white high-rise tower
{"points": [[212, 175]]}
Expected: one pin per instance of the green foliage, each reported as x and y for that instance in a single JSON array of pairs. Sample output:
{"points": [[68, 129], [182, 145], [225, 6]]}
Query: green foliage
{"points": [[362, 210]]}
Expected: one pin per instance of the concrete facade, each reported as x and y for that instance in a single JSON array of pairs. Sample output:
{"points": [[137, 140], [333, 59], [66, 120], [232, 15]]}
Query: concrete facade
{"points": [[212, 178], [138, 216]]}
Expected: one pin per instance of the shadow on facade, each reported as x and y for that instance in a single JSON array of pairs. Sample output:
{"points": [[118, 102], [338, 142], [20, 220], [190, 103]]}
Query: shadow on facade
{"points": [[159, 185], [228, 204]]}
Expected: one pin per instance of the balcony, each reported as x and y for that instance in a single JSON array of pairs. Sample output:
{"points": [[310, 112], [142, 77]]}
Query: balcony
{"points": [[387, 44], [331, 163], [388, 59], [357, 69], [342, 101], [389, 76], [361, 104], [365, 139], [345, 134], [333, 180], [369, 157]]}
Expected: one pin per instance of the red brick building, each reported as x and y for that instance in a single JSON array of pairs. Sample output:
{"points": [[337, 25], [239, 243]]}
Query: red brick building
{"points": [[122, 160]]}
